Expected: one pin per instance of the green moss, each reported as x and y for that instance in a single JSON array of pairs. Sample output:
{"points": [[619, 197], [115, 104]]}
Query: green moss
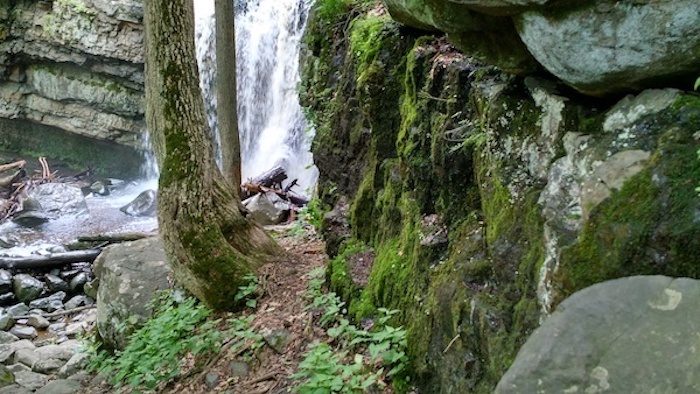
{"points": [[338, 273]]}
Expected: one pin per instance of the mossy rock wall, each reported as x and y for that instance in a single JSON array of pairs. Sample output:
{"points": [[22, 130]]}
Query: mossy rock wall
{"points": [[485, 199]]}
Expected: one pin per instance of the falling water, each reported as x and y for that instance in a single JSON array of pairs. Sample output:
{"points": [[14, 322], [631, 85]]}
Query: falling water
{"points": [[272, 127]]}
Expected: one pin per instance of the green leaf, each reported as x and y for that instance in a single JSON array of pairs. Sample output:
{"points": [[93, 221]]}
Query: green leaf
{"points": [[697, 84]]}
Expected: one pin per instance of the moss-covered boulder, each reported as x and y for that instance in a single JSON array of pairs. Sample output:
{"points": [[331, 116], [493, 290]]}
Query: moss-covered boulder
{"points": [[485, 199]]}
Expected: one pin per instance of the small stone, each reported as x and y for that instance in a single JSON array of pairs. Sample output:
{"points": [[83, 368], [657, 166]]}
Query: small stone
{"points": [[57, 327], [6, 337], [20, 309], [78, 281], [90, 288], [15, 389], [278, 340], [31, 380], [60, 386], [211, 379], [75, 364], [27, 357], [49, 304], [75, 329], [75, 302], [238, 369], [27, 287], [48, 365], [18, 367], [38, 322], [24, 332], [55, 283], [6, 321], [5, 281], [99, 188], [7, 298]]}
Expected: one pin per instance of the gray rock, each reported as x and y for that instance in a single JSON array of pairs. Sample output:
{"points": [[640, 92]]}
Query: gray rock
{"points": [[6, 338], [49, 304], [59, 198], [31, 380], [38, 322], [60, 386], [75, 302], [15, 389], [211, 379], [607, 46], [31, 218], [57, 327], [28, 357], [5, 281], [55, 283], [27, 287], [627, 335], [267, 208], [7, 298], [48, 365], [90, 288], [130, 273], [278, 340], [99, 188], [20, 309], [78, 281], [18, 367], [144, 204], [6, 321], [238, 369], [74, 329], [24, 332], [6, 377], [74, 365]]}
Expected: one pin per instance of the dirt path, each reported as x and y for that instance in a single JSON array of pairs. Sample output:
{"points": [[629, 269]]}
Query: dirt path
{"points": [[279, 314]]}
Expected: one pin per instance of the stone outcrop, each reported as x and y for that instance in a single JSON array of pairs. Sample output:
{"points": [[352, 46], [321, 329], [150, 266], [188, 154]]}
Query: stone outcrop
{"points": [[487, 199], [129, 275], [632, 334], [73, 68], [599, 48]]}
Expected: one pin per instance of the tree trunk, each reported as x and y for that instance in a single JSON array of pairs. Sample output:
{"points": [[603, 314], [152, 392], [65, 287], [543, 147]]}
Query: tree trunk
{"points": [[209, 242], [226, 91]]}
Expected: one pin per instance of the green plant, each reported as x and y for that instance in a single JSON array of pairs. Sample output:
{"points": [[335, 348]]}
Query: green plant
{"points": [[155, 352], [359, 357], [697, 84], [249, 292]]}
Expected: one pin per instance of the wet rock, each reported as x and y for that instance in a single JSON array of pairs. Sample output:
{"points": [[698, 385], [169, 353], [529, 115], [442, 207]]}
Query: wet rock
{"points": [[31, 218], [78, 281], [144, 204], [58, 198], [75, 302], [615, 336], [99, 188], [60, 386], [27, 287], [90, 288], [38, 322], [130, 273], [55, 283], [49, 304], [335, 227], [24, 332], [5, 281]]}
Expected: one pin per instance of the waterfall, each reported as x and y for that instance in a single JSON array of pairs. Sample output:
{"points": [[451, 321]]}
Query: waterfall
{"points": [[273, 130]]}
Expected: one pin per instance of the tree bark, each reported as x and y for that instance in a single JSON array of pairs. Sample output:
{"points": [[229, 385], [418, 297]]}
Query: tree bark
{"points": [[226, 90], [209, 242]]}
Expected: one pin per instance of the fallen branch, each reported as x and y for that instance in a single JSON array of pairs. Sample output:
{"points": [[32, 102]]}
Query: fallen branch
{"points": [[51, 260], [61, 313], [114, 238], [17, 164]]}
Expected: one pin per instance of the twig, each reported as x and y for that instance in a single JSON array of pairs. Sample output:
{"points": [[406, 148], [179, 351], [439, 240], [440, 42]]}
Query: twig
{"points": [[267, 376], [221, 354], [450, 344], [61, 313]]}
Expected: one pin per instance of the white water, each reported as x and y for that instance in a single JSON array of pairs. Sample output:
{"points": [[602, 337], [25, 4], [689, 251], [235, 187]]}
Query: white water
{"points": [[272, 127]]}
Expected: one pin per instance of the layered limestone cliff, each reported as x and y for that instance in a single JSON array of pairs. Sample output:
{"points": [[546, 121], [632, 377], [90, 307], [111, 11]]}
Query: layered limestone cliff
{"points": [[71, 81], [475, 201]]}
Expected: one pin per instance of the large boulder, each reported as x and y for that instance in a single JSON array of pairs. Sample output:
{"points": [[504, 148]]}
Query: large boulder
{"points": [[612, 46], [492, 39], [267, 208], [58, 199], [130, 273], [632, 335]]}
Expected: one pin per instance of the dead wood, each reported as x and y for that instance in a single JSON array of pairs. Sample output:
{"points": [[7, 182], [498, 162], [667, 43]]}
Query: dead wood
{"points": [[50, 260]]}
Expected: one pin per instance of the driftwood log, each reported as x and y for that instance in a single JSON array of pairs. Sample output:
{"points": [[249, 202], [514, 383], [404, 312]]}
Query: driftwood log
{"points": [[271, 181], [50, 260], [114, 238]]}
